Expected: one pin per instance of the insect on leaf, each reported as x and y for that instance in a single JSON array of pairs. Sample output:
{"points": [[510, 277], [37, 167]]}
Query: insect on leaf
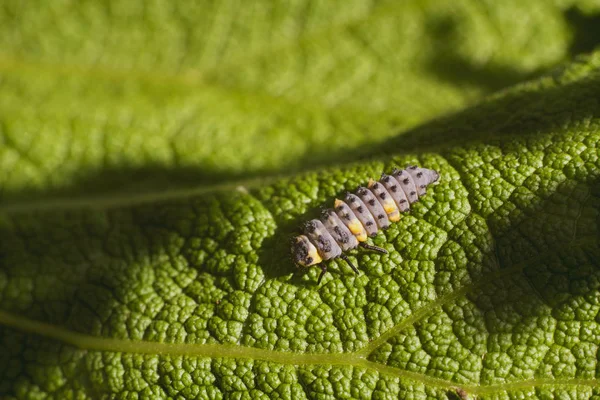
{"points": [[156, 158]]}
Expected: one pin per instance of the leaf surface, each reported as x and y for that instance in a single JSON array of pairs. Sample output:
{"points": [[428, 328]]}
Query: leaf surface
{"points": [[491, 285]]}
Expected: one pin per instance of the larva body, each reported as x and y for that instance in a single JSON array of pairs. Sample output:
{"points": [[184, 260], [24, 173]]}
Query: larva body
{"points": [[360, 216]]}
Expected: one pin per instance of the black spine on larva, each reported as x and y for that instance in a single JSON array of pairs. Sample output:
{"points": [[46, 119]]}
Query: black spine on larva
{"points": [[374, 207], [407, 184]]}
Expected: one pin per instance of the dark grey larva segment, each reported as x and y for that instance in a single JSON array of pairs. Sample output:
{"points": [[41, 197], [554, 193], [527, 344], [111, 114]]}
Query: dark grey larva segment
{"points": [[362, 213], [321, 238], [395, 190], [407, 184], [340, 233], [374, 207]]}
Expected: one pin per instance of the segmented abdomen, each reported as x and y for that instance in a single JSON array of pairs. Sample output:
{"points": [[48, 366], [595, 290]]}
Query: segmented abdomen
{"points": [[371, 209]]}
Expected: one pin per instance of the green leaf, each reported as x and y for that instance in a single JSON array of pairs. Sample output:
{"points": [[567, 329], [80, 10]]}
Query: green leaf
{"points": [[492, 284], [129, 96]]}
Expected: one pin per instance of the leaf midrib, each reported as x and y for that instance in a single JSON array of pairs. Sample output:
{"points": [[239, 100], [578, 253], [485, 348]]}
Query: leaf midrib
{"points": [[109, 201], [93, 343]]}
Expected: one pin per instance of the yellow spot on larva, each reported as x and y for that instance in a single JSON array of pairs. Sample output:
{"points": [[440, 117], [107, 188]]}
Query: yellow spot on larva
{"points": [[362, 237], [394, 217], [389, 205], [315, 256], [355, 226], [389, 208], [357, 230], [371, 183]]}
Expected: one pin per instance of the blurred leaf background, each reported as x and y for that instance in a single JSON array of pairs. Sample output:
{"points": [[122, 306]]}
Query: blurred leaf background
{"points": [[115, 97]]}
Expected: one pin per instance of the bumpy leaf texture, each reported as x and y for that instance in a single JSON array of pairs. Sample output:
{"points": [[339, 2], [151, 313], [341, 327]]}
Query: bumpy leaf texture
{"points": [[165, 273]]}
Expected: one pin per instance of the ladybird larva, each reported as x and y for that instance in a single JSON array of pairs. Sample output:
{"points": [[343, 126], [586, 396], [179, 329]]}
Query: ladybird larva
{"points": [[359, 216]]}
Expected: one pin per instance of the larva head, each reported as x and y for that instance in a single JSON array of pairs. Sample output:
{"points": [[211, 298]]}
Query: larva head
{"points": [[304, 252]]}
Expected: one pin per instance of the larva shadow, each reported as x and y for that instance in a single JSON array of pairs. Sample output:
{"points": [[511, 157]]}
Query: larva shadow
{"points": [[274, 255]]}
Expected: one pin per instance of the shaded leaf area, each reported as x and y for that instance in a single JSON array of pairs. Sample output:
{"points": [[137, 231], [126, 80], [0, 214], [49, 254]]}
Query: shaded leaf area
{"points": [[114, 97], [585, 25], [491, 287]]}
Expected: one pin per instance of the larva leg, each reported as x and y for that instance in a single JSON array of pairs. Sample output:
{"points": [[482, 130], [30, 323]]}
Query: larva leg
{"points": [[323, 272], [374, 248], [345, 258]]}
